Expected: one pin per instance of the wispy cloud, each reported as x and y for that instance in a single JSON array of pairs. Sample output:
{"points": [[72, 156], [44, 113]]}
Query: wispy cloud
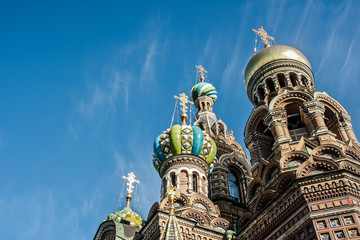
{"points": [[275, 14], [348, 55], [328, 50], [73, 131], [104, 96], [33, 213], [302, 21], [149, 63]]}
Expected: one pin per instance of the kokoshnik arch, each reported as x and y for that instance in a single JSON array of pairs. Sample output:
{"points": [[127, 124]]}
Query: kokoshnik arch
{"points": [[303, 181]]}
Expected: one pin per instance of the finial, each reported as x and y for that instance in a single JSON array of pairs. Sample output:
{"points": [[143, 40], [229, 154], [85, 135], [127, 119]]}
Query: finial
{"points": [[201, 70], [183, 101], [173, 194], [264, 36]]}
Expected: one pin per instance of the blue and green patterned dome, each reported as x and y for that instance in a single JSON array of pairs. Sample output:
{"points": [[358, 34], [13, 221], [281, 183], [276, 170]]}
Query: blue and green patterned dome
{"points": [[128, 216], [183, 140], [203, 89]]}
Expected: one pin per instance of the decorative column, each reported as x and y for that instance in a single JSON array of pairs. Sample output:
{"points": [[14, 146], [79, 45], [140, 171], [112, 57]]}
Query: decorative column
{"points": [[276, 120], [299, 81], [346, 123], [316, 110], [266, 90], [177, 180], [190, 182], [253, 145], [200, 188], [309, 123], [288, 81], [276, 84]]}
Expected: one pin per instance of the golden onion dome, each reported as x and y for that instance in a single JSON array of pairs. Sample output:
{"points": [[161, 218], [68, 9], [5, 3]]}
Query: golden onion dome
{"points": [[269, 54]]}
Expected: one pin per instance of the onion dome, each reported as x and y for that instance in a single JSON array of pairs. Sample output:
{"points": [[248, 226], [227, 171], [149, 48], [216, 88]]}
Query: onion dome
{"points": [[127, 215], [203, 89], [273, 53], [183, 140]]}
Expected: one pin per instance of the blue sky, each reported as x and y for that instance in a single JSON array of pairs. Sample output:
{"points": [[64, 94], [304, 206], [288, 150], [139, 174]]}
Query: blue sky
{"points": [[86, 87]]}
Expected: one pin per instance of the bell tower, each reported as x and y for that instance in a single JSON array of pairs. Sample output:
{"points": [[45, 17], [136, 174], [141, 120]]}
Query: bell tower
{"points": [[304, 153]]}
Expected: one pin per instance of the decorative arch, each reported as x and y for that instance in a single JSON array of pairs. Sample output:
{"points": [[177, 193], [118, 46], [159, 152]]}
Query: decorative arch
{"points": [[164, 205], [195, 215], [315, 166], [271, 169], [264, 199], [329, 101], [328, 151], [351, 153], [288, 97], [293, 156], [255, 117], [349, 166], [253, 186], [284, 181], [234, 159], [199, 198], [244, 219], [220, 222]]}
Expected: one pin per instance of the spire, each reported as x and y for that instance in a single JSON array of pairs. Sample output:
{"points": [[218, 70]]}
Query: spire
{"points": [[183, 101], [264, 36], [171, 230]]}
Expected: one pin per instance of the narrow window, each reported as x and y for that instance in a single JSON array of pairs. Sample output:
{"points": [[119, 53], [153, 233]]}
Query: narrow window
{"points": [[195, 183], [304, 81], [173, 180], [261, 93], [234, 187], [281, 79], [270, 85], [293, 79]]}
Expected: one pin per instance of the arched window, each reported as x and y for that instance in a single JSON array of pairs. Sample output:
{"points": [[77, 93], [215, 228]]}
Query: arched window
{"points": [[261, 93], [233, 187], [173, 179], [293, 79], [195, 183], [270, 85], [304, 81], [296, 126], [282, 80]]}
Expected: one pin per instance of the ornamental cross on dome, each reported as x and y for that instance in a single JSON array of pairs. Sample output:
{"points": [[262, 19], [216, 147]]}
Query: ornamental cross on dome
{"points": [[173, 194], [183, 101], [131, 180], [201, 70], [264, 36]]}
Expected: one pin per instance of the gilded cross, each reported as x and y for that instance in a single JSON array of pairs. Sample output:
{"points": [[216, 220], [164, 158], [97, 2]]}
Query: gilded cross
{"points": [[264, 36], [183, 101], [131, 180], [201, 70], [173, 194]]}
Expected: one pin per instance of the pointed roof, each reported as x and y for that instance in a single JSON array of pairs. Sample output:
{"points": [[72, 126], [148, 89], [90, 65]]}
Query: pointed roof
{"points": [[171, 231]]}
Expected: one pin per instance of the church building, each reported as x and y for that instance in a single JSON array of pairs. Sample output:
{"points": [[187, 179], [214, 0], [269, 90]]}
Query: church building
{"points": [[301, 180]]}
